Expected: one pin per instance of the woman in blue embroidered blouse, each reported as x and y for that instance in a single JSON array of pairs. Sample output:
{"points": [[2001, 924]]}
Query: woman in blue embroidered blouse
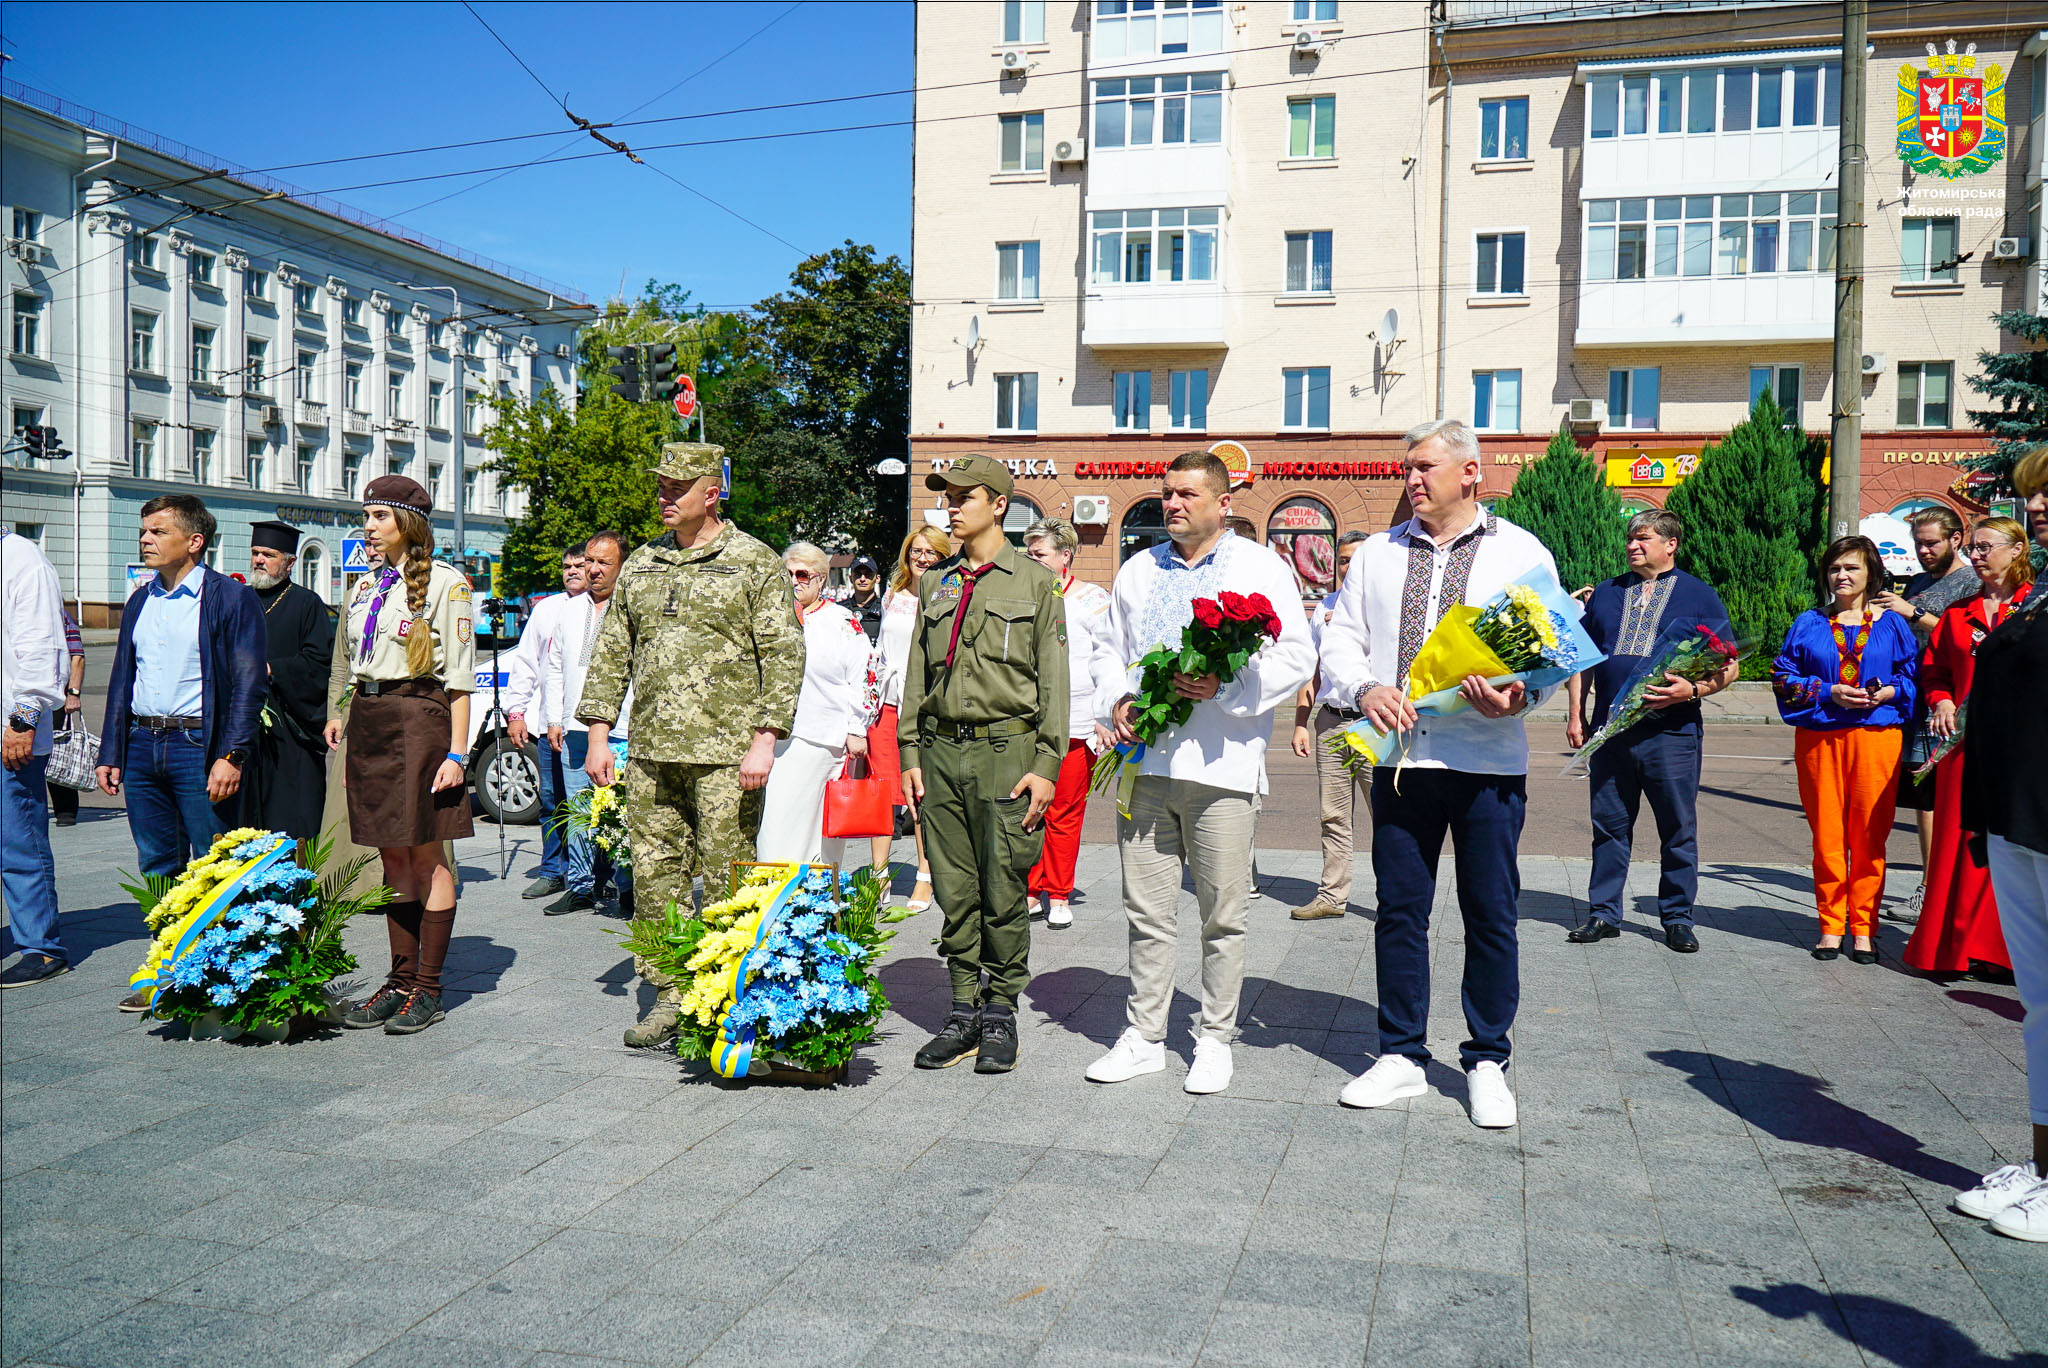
{"points": [[1845, 680]]}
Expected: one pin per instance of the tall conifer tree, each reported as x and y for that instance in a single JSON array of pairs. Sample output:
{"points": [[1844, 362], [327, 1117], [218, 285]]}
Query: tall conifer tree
{"points": [[1563, 500], [2018, 381]]}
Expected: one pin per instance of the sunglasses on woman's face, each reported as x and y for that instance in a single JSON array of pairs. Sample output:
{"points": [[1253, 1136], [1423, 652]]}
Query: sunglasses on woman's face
{"points": [[802, 576]]}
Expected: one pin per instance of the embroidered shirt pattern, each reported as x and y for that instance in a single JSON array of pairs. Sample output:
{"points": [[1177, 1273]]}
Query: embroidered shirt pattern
{"points": [[1642, 614], [1417, 620]]}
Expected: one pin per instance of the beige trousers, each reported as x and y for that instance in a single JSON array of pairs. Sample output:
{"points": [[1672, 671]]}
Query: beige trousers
{"points": [[1345, 795], [1175, 822]]}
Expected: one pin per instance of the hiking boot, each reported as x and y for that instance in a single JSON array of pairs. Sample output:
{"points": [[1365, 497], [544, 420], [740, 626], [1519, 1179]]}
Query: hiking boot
{"points": [[658, 1026], [377, 1009], [543, 887], [959, 1039], [998, 1049], [421, 1010], [570, 902]]}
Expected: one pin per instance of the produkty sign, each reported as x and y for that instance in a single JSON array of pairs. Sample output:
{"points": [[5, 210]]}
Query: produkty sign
{"points": [[1951, 120]]}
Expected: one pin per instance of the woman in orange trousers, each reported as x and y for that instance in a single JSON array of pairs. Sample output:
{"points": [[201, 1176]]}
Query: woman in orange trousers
{"points": [[1845, 680]]}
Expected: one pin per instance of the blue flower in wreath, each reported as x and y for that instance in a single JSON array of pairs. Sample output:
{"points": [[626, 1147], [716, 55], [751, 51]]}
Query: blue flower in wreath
{"points": [[806, 926], [222, 994]]}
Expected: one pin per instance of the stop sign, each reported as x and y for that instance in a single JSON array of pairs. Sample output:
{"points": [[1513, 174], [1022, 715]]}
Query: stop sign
{"points": [[686, 397]]}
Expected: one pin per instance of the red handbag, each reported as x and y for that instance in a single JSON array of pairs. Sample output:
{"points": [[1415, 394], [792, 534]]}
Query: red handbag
{"points": [[858, 807]]}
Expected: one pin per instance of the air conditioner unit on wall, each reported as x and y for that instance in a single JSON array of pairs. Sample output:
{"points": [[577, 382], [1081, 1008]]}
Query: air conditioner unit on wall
{"points": [[1091, 510], [1015, 63], [273, 416], [1588, 412], [1873, 363], [2009, 248], [1070, 150], [1309, 42]]}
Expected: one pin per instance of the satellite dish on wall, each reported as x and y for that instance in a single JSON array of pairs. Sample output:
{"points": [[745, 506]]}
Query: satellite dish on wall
{"points": [[974, 332], [1390, 326]]}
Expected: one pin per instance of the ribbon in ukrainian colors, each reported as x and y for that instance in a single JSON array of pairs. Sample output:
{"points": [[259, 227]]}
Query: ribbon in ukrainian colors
{"points": [[196, 923], [733, 1053]]}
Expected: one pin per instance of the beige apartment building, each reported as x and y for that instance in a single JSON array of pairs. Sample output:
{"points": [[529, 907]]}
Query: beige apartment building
{"points": [[1289, 231]]}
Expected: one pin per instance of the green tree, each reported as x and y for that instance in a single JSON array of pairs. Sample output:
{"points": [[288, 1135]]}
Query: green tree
{"points": [[1564, 501], [2018, 382], [1754, 512]]}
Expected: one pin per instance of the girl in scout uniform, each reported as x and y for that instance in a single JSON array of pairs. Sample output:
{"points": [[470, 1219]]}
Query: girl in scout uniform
{"points": [[412, 668]]}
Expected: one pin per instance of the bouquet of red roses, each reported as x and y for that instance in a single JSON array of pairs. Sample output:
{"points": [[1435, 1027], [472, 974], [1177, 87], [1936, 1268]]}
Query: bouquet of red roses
{"points": [[1226, 632]]}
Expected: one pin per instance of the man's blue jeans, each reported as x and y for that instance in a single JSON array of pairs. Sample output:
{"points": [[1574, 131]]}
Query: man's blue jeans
{"points": [[586, 863], [28, 871], [1663, 767], [552, 859], [165, 780]]}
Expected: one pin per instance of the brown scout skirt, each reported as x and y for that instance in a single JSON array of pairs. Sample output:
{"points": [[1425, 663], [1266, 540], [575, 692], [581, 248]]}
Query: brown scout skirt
{"points": [[396, 742]]}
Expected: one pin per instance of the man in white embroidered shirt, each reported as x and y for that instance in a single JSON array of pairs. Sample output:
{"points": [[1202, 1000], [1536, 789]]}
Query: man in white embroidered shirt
{"points": [[1197, 792], [525, 693], [1465, 775]]}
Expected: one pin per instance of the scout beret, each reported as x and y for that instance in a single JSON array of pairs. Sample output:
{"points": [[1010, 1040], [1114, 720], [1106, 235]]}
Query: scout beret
{"points": [[398, 492], [968, 471], [690, 462]]}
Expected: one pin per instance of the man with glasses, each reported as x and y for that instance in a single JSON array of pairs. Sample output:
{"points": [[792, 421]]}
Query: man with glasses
{"points": [[1344, 791], [865, 602]]}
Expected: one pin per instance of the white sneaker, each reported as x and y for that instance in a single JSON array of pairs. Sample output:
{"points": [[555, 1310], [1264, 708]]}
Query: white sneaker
{"points": [[2026, 1219], [1058, 916], [1493, 1105], [1210, 1073], [1998, 1191], [1390, 1080], [1130, 1056]]}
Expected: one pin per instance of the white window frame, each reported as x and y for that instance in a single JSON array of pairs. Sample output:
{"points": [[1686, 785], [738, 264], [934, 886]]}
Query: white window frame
{"points": [[434, 480], [26, 337], [256, 461], [1496, 286], [1778, 372], [1131, 401], [1187, 398], [202, 455], [1624, 398], [142, 341], [1026, 125], [201, 269], [1298, 385], [1166, 28], [352, 463], [306, 298], [305, 466], [437, 394], [142, 448], [1314, 12], [352, 386], [1918, 253], [27, 224], [394, 393], [203, 335], [1012, 275], [352, 312], [1917, 373], [255, 365], [1113, 118], [1309, 239], [1016, 391], [472, 411], [472, 481], [1159, 228], [306, 375], [1493, 117], [143, 249], [1490, 420], [1317, 105], [256, 284], [1023, 21]]}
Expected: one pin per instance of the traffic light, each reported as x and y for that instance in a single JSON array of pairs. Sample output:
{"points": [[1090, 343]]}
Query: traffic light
{"points": [[625, 368], [41, 442], [661, 371]]}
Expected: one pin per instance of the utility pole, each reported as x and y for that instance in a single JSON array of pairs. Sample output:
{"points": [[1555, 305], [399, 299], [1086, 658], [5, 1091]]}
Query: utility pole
{"points": [[1845, 437]]}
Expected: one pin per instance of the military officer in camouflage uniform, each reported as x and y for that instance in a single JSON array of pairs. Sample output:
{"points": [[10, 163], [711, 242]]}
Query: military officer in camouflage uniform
{"points": [[703, 626], [983, 729]]}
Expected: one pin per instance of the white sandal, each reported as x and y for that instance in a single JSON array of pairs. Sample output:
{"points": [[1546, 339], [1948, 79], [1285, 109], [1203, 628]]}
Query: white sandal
{"points": [[921, 895]]}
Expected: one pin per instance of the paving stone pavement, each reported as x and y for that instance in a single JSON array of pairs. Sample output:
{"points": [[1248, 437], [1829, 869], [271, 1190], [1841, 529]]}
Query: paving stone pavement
{"points": [[1737, 1157]]}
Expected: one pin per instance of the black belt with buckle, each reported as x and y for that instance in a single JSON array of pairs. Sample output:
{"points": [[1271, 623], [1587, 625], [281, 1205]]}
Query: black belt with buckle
{"points": [[170, 723], [1348, 714], [373, 688], [987, 731]]}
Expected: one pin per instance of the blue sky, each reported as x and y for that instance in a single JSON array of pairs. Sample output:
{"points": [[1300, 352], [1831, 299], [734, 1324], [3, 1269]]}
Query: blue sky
{"points": [[265, 85]]}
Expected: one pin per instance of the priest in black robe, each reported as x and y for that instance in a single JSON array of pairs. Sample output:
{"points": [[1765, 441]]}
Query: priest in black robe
{"points": [[289, 780]]}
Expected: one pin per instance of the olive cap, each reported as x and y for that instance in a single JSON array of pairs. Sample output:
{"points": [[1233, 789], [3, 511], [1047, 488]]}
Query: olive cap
{"points": [[969, 471]]}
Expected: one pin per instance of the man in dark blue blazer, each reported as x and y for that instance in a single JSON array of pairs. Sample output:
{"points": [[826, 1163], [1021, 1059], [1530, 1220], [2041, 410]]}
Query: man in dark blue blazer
{"points": [[186, 691]]}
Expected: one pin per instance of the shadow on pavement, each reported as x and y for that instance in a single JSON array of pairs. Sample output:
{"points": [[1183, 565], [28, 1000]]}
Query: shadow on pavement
{"points": [[474, 966], [920, 991], [2009, 1008], [1882, 1328], [1795, 1107], [86, 931]]}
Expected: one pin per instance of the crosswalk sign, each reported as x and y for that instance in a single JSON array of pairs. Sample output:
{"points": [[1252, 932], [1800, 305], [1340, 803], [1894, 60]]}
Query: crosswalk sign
{"points": [[355, 556]]}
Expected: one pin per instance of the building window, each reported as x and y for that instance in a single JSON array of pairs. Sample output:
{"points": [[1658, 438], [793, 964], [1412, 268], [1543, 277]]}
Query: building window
{"points": [[25, 416], [1500, 263], [1504, 129], [1308, 263], [352, 473], [142, 341], [142, 252], [1144, 527], [1617, 239], [1154, 246], [1133, 401], [436, 334], [1017, 270], [1017, 402], [199, 268], [469, 479], [1312, 126], [394, 394], [1698, 235], [305, 299], [1306, 404], [435, 392], [434, 492], [255, 358], [1783, 383], [1497, 400], [1188, 399], [472, 412], [258, 455], [28, 324], [1018, 519], [1928, 251], [352, 312], [302, 384], [1923, 393], [1303, 532], [1632, 397], [352, 386], [1732, 99], [256, 284], [1147, 28], [202, 456], [142, 450], [1023, 21], [1162, 110], [1321, 11], [307, 456], [1023, 142], [394, 325], [28, 225], [202, 355]]}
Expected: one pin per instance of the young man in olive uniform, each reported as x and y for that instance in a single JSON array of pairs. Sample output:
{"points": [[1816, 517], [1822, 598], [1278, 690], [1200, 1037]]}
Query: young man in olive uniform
{"points": [[983, 730], [703, 626]]}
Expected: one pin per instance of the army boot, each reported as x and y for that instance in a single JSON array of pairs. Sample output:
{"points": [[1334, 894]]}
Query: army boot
{"points": [[958, 1039], [659, 1025]]}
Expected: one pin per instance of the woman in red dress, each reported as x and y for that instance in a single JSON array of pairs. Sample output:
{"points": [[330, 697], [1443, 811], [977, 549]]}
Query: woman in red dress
{"points": [[1958, 930]]}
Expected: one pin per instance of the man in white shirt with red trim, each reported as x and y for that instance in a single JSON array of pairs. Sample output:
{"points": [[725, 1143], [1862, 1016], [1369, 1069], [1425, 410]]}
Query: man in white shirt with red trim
{"points": [[1197, 794], [1465, 775], [523, 693]]}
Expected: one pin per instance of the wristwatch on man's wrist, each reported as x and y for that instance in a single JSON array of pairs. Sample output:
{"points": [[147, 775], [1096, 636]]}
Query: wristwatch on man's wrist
{"points": [[16, 724], [237, 757], [74, 693]]}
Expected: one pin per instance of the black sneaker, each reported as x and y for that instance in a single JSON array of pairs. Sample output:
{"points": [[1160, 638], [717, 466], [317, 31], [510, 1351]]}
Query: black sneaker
{"points": [[420, 1011], [570, 902], [33, 968], [67, 819], [998, 1043], [377, 1009], [543, 887], [957, 1040]]}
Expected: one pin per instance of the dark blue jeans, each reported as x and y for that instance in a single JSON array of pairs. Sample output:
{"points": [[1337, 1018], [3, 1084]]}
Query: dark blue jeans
{"points": [[1482, 814], [584, 865], [165, 780], [1665, 768], [551, 794], [28, 871]]}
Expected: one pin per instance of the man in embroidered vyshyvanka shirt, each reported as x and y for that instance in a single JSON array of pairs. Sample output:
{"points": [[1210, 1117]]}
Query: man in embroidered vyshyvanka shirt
{"points": [[1465, 775], [1197, 792], [1634, 618]]}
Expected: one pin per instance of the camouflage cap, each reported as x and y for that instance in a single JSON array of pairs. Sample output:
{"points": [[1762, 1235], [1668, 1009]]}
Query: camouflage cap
{"points": [[968, 471], [690, 462]]}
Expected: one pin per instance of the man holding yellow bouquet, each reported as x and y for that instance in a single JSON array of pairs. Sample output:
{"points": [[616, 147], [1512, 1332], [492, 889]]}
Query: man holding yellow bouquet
{"points": [[1463, 774]]}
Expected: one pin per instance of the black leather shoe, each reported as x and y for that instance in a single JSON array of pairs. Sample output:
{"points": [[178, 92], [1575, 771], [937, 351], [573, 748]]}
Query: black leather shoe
{"points": [[1827, 952], [958, 1039], [1863, 956], [1595, 929], [998, 1043], [1681, 939], [570, 902]]}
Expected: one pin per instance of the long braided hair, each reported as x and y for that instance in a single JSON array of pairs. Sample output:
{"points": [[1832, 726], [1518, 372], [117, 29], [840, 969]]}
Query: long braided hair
{"points": [[417, 568]]}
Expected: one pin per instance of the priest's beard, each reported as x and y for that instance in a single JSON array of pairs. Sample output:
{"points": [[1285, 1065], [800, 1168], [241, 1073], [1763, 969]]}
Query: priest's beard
{"points": [[264, 580]]}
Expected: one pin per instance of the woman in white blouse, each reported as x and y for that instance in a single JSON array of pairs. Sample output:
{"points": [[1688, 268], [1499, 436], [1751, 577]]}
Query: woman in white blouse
{"points": [[922, 549], [833, 710]]}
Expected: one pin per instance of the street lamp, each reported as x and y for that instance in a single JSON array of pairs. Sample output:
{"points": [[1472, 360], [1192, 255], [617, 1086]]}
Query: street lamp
{"points": [[461, 411]]}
